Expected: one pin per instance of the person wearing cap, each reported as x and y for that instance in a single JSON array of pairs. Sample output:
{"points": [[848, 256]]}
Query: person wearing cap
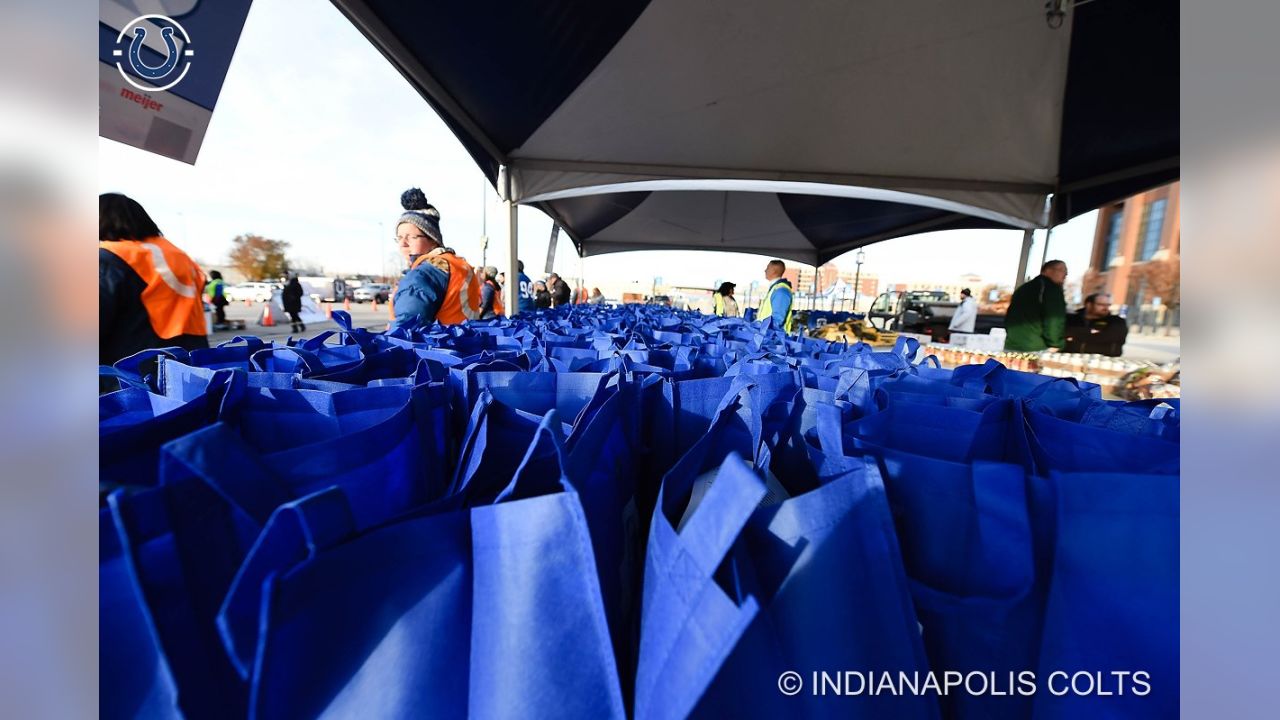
{"points": [[490, 294], [439, 286], [966, 316], [724, 303]]}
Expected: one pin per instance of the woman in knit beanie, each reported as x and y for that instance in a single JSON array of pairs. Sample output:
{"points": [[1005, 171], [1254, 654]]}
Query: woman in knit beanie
{"points": [[423, 287], [438, 286]]}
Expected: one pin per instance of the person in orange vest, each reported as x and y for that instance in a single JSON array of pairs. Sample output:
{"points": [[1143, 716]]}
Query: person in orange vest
{"points": [[439, 286], [150, 293], [491, 294]]}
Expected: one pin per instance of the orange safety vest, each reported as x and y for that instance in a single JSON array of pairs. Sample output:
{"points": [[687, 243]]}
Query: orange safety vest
{"points": [[172, 297], [499, 308], [462, 284]]}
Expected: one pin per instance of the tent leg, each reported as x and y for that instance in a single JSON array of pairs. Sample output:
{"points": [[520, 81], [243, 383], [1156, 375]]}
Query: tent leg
{"points": [[1044, 257], [1024, 258], [512, 289]]}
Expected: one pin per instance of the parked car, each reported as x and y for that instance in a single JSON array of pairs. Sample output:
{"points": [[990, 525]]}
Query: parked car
{"points": [[376, 292], [926, 312], [256, 292], [326, 289]]}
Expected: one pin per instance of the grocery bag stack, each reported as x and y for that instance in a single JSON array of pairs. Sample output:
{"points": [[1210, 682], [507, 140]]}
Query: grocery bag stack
{"points": [[626, 512]]}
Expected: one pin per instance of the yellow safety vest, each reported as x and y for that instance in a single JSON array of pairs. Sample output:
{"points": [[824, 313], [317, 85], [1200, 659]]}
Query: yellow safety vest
{"points": [[718, 301], [766, 305]]}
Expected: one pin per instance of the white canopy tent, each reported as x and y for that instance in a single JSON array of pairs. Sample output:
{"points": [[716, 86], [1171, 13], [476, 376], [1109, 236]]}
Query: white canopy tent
{"points": [[802, 129]]}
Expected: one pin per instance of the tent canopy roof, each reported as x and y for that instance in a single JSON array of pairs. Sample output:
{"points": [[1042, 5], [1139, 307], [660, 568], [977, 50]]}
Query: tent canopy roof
{"points": [[973, 112]]}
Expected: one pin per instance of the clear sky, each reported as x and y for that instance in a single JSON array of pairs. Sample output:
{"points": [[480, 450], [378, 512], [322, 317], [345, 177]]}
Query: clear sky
{"points": [[316, 135]]}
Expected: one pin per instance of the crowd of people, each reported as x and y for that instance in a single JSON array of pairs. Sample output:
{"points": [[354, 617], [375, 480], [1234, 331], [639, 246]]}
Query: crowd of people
{"points": [[151, 294]]}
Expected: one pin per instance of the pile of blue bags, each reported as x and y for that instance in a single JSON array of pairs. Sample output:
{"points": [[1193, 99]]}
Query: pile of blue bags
{"points": [[628, 512]]}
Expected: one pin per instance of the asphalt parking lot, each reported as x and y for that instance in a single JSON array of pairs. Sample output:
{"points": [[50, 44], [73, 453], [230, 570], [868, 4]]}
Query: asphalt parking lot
{"points": [[362, 315]]}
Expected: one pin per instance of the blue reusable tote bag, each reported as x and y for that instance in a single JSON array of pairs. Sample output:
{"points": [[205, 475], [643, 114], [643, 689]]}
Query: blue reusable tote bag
{"points": [[1060, 445], [1113, 601], [134, 423], [823, 567], [1157, 418], [966, 534], [602, 463], [677, 418], [493, 611], [690, 618], [827, 569], [385, 446], [186, 538], [134, 680], [182, 543]]}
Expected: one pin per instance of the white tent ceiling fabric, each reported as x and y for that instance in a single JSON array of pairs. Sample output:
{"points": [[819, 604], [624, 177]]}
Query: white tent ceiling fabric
{"points": [[987, 71], [738, 215]]}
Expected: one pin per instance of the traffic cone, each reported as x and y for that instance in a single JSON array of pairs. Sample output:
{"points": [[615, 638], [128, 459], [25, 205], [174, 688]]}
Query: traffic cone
{"points": [[375, 304], [391, 311], [346, 304], [267, 320]]}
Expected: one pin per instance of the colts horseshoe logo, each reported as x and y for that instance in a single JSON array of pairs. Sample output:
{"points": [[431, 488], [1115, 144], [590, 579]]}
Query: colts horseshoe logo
{"points": [[141, 67], [174, 55]]}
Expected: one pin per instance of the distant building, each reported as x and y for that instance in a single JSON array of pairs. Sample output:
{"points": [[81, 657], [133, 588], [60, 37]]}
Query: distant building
{"points": [[828, 274], [1136, 248], [951, 287]]}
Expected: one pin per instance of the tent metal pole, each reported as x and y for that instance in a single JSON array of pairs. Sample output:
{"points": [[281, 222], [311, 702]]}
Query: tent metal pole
{"points": [[1027, 237], [512, 289], [813, 299], [1044, 257], [511, 292]]}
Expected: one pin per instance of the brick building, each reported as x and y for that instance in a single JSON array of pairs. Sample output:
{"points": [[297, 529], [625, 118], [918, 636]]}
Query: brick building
{"points": [[801, 278], [1135, 254]]}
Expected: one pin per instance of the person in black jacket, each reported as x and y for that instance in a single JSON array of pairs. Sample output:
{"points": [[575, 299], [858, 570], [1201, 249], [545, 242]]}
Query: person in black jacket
{"points": [[291, 299], [1093, 329], [541, 297], [150, 293], [559, 290]]}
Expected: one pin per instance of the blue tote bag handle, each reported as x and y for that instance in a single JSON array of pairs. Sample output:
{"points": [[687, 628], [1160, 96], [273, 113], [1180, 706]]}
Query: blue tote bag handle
{"points": [[830, 429], [252, 342], [937, 364], [294, 533], [541, 470], [689, 624], [285, 359], [126, 379], [141, 365], [977, 376], [906, 348]]}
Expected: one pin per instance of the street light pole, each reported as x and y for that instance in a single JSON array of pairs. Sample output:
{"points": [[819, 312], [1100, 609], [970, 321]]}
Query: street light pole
{"points": [[857, 277], [484, 222]]}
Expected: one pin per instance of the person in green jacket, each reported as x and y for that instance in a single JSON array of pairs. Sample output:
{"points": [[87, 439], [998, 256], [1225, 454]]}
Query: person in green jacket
{"points": [[215, 291], [1037, 312]]}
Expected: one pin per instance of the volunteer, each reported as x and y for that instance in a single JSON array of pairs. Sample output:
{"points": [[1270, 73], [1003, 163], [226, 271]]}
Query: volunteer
{"points": [[149, 291], [439, 286], [776, 307]]}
